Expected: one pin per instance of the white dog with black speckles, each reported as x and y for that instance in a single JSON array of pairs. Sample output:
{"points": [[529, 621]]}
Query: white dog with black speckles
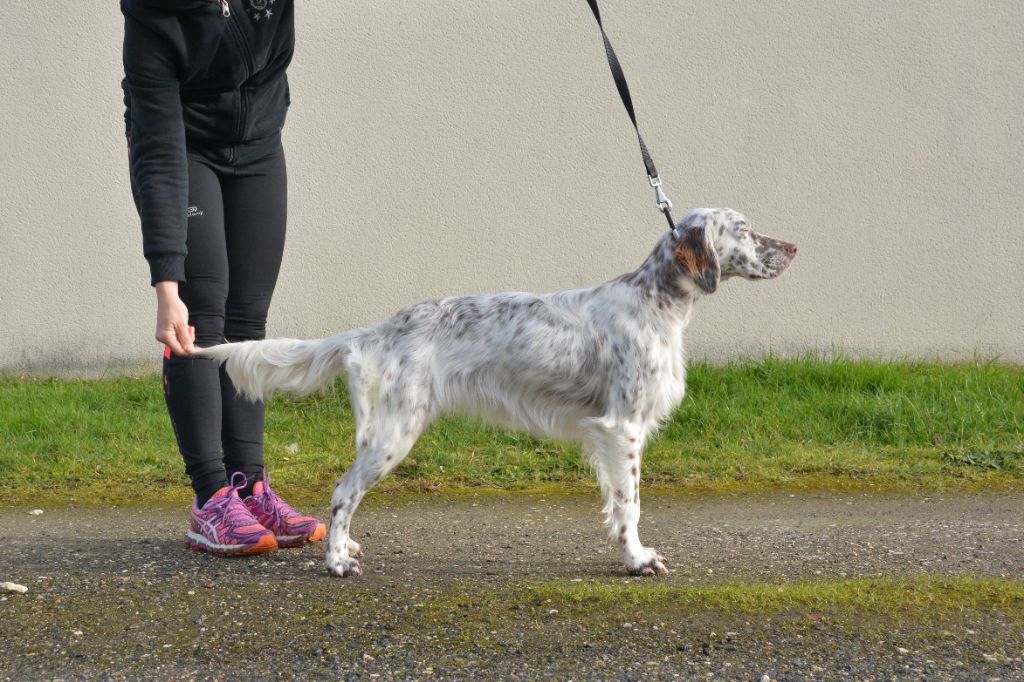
{"points": [[602, 366]]}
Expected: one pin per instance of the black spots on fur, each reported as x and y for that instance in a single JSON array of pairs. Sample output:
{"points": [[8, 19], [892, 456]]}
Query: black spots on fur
{"points": [[667, 281], [632, 472], [403, 321], [576, 390], [643, 278], [590, 362], [767, 245], [340, 508], [630, 278], [595, 402], [461, 315], [449, 320], [504, 310], [619, 495], [620, 349], [412, 318], [632, 455], [622, 529]]}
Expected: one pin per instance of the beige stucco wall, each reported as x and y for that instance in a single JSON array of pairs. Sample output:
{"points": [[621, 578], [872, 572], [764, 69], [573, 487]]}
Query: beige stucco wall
{"points": [[467, 146]]}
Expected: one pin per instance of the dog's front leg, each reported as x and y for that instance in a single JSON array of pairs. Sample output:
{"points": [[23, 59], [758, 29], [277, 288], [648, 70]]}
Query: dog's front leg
{"points": [[614, 450], [625, 517]]}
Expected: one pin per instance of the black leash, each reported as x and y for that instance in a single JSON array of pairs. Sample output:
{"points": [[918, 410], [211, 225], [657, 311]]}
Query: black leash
{"points": [[663, 204]]}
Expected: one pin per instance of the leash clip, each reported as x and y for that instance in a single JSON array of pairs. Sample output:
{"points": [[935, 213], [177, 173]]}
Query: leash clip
{"points": [[661, 201]]}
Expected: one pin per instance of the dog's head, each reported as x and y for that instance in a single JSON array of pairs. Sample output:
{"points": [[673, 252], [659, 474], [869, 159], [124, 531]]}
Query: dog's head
{"points": [[717, 243]]}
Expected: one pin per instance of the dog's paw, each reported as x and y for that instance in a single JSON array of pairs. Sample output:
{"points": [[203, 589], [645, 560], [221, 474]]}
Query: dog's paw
{"points": [[652, 567], [354, 550], [343, 566], [649, 563]]}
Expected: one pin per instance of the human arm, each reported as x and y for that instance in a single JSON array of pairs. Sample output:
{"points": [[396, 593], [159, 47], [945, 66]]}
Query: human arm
{"points": [[156, 141]]}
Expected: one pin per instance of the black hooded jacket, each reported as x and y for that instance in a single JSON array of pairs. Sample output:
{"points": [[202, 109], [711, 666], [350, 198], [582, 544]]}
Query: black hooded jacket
{"points": [[205, 77]]}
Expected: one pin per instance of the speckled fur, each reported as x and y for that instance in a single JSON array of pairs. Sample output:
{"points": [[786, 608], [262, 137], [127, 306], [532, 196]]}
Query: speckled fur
{"points": [[603, 366]]}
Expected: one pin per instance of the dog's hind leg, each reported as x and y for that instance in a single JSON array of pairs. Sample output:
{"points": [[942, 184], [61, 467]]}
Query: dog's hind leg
{"points": [[614, 449], [388, 422]]}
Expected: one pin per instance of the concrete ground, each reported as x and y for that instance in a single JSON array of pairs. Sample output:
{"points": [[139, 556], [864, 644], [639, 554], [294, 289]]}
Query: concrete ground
{"points": [[450, 591]]}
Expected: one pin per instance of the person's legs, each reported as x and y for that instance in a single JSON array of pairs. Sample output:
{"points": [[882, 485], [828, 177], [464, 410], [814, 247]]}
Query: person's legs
{"points": [[255, 216], [192, 386], [255, 206]]}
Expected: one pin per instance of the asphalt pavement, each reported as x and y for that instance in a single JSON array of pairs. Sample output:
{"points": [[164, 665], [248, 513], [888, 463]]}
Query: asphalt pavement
{"points": [[449, 592]]}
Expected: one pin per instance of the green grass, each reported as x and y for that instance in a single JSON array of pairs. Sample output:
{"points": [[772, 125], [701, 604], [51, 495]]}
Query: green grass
{"points": [[922, 612], [919, 597], [809, 422], [595, 611]]}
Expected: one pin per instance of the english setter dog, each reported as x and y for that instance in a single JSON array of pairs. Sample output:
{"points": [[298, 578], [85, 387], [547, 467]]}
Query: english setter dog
{"points": [[601, 366]]}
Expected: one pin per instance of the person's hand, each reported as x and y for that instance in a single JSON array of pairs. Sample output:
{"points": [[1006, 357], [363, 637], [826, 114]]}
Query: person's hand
{"points": [[172, 328]]}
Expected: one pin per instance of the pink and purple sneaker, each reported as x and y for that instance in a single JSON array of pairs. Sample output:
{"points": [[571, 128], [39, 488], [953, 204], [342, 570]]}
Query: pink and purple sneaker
{"points": [[290, 528], [225, 526]]}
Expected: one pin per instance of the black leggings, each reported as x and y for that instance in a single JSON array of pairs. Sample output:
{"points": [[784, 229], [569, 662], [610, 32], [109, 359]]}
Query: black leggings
{"points": [[236, 230]]}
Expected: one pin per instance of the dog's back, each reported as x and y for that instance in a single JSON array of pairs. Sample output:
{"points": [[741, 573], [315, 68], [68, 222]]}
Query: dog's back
{"points": [[537, 362]]}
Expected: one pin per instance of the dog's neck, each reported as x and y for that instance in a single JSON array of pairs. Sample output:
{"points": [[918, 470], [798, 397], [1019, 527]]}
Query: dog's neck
{"points": [[661, 280]]}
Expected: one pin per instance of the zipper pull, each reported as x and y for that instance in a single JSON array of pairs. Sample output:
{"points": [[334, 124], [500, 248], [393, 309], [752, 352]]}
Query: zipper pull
{"points": [[225, 9]]}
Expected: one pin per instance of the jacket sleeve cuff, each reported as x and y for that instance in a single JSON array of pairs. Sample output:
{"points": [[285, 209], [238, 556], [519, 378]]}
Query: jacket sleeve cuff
{"points": [[166, 268]]}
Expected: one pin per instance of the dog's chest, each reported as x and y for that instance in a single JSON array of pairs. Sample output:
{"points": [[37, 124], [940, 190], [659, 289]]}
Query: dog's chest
{"points": [[665, 382]]}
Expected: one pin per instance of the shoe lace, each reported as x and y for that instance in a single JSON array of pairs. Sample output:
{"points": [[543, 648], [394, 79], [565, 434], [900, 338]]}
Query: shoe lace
{"points": [[230, 507], [271, 503]]}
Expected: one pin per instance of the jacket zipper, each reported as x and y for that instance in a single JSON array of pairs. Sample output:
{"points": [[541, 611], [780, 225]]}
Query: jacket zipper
{"points": [[250, 63]]}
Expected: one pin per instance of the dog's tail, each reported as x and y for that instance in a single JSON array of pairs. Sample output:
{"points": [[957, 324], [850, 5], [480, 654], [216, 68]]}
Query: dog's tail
{"points": [[261, 368]]}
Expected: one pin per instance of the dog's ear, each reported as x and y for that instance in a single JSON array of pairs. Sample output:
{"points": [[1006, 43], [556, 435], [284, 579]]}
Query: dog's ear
{"points": [[696, 255]]}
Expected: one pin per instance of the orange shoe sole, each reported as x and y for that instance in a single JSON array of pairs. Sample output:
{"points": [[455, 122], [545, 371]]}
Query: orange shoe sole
{"points": [[319, 534], [267, 543]]}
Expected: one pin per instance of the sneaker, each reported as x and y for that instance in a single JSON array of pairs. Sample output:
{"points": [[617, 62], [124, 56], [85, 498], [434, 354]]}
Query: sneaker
{"points": [[225, 527], [290, 528]]}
